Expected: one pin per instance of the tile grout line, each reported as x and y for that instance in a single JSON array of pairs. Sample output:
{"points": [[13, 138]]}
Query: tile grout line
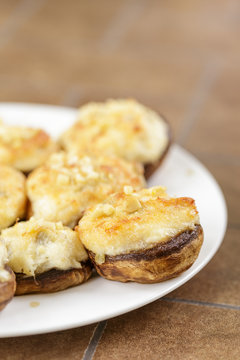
{"points": [[18, 17], [202, 303], [234, 226], [94, 341], [120, 24], [204, 86]]}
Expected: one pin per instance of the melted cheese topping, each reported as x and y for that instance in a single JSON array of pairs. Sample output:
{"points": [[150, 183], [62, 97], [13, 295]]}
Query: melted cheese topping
{"points": [[66, 185], [12, 196], [36, 246], [4, 274], [122, 128], [131, 221], [24, 148]]}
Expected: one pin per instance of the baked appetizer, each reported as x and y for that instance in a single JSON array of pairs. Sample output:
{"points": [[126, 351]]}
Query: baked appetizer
{"points": [[122, 128], [67, 184], [45, 256], [143, 236], [12, 196], [24, 148], [7, 279]]}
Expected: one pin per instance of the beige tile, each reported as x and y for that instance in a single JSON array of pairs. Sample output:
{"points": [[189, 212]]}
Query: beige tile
{"points": [[165, 330], [69, 344], [218, 282], [166, 87], [23, 89], [114, 71], [7, 8], [52, 44], [217, 127], [60, 25], [190, 29]]}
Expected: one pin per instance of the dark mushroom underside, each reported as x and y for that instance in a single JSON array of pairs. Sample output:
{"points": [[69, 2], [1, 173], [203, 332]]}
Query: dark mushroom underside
{"points": [[162, 262], [53, 280]]}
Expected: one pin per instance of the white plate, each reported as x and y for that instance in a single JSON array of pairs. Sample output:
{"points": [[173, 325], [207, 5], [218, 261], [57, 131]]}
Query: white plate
{"points": [[101, 299]]}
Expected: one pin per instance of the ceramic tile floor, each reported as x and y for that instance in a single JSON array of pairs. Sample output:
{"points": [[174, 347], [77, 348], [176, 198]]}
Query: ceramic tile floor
{"points": [[182, 59]]}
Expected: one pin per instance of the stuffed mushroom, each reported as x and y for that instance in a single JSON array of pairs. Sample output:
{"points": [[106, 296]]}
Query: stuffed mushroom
{"points": [[123, 128], [45, 256], [66, 185], [24, 148], [143, 236]]}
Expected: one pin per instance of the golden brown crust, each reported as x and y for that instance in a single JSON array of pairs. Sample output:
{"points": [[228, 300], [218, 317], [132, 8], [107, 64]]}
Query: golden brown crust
{"points": [[150, 168], [7, 289], [121, 127], [162, 262], [131, 221], [25, 148], [66, 185], [53, 280]]}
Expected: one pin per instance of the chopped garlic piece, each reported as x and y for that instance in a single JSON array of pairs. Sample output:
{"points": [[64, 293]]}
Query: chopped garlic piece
{"points": [[132, 204]]}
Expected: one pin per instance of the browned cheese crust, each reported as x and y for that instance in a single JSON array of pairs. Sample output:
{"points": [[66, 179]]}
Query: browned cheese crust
{"points": [[99, 127], [53, 280], [162, 262], [7, 289]]}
